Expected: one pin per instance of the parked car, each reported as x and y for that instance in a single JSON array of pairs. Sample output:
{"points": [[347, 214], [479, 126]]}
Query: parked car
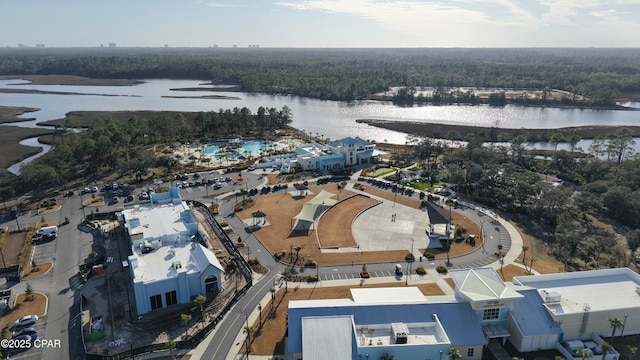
{"points": [[143, 196], [27, 320], [26, 331], [26, 337]]}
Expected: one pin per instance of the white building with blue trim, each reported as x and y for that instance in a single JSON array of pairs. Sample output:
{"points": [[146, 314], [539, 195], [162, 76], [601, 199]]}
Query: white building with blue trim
{"points": [[567, 312], [336, 155], [167, 265]]}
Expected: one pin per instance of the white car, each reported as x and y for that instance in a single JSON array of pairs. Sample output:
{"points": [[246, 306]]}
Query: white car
{"points": [[27, 320]]}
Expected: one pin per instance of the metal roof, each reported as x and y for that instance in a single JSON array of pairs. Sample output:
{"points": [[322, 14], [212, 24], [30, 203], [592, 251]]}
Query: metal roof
{"points": [[327, 338], [531, 317]]}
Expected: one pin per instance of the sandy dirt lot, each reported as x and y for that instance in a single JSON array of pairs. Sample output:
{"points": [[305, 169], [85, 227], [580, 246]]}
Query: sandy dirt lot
{"points": [[334, 228], [11, 247], [277, 236], [282, 207]]}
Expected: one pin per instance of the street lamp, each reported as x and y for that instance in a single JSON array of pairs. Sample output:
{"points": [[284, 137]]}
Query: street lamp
{"points": [[482, 235], [624, 323]]}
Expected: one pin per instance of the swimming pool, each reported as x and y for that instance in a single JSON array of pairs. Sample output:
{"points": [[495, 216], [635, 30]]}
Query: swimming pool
{"points": [[244, 148]]}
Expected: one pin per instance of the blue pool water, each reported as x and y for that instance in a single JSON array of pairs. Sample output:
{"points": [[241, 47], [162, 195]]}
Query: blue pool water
{"points": [[251, 148]]}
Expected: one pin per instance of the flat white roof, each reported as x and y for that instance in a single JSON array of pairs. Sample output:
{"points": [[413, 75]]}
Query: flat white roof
{"points": [[603, 290], [416, 333], [169, 260], [393, 295], [158, 221]]}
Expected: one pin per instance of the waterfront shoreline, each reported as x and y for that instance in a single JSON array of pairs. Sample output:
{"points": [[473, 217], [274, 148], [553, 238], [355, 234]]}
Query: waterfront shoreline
{"points": [[460, 132]]}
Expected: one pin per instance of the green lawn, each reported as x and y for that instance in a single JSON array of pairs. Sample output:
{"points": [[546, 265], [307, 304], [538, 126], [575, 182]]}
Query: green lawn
{"points": [[381, 172]]}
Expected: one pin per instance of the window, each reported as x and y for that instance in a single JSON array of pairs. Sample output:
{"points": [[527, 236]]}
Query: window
{"points": [[156, 302], [470, 352], [491, 314], [171, 298]]}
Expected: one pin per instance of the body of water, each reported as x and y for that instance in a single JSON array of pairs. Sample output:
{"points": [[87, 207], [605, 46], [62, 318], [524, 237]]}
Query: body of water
{"points": [[332, 119]]}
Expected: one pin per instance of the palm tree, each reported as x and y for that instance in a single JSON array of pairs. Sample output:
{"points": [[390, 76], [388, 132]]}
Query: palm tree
{"points": [[249, 331], [615, 323], [386, 357], [524, 256], [185, 320], [200, 300], [584, 354], [297, 249], [171, 345], [286, 273], [454, 354], [632, 350], [606, 347]]}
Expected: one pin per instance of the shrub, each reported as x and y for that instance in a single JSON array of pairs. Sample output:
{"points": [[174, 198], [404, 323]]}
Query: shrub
{"points": [[429, 255], [421, 271], [441, 269], [312, 278], [310, 263], [409, 257]]}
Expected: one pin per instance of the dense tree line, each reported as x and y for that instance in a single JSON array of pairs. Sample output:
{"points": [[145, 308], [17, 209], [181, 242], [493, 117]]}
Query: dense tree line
{"points": [[348, 74], [124, 146], [511, 179]]}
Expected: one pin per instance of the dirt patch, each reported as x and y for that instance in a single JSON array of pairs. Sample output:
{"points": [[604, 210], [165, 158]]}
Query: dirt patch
{"points": [[334, 228], [278, 237], [544, 263], [38, 306], [12, 247], [94, 201], [33, 272], [269, 339]]}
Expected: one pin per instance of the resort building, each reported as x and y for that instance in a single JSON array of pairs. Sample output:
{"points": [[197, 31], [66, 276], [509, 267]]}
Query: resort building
{"points": [[355, 151], [337, 155], [168, 265], [568, 312]]}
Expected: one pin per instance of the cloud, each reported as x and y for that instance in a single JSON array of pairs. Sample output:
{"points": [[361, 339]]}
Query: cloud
{"points": [[216, 4], [420, 14]]}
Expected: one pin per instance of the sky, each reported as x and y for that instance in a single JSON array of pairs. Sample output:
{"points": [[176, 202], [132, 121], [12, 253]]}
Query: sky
{"points": [[321, 23]]}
